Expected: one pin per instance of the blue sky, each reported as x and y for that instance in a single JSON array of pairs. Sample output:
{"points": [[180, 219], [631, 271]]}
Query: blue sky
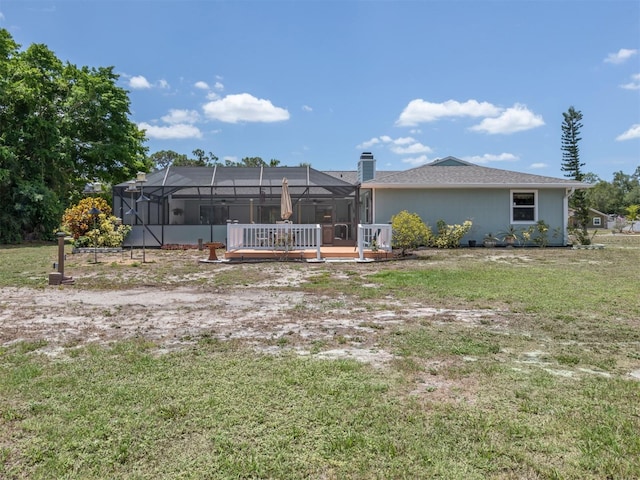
{"points": [[322, 81]]}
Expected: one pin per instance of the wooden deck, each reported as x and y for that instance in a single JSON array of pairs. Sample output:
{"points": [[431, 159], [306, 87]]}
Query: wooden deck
{"points": [[326, 253]]}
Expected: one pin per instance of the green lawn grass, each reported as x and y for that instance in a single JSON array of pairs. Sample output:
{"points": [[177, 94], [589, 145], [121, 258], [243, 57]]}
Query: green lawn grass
{"points": [[539, 388]]}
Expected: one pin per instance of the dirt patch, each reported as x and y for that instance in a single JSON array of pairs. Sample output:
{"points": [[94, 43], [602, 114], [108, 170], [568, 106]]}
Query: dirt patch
{"points": [[265, 307], [268, 315]]}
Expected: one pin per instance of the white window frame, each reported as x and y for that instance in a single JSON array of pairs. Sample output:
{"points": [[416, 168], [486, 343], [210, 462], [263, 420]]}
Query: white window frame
{"points": [[597, 222], [534, 207]]}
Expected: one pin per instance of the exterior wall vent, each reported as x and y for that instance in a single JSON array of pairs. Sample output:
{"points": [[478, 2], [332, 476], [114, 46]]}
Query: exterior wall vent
{"points": [[366, 167]]}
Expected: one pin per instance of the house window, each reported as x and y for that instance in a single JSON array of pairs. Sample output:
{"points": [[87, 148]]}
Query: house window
{"points": [[524, 206], [596, 221]]}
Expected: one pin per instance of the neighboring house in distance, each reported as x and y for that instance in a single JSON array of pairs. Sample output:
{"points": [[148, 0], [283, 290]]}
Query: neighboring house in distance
{"points": [[596, 219], [453, 190]]}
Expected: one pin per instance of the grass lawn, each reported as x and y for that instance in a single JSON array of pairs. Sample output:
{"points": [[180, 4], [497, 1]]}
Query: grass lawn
{"points": [[506, 364]]}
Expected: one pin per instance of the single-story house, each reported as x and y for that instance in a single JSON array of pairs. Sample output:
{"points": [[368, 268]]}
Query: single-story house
{"points": [[597, 219], [181, 205], [453, 190]]}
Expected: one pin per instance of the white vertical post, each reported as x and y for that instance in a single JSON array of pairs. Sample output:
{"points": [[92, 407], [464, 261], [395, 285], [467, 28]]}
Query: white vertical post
{"points": [[318, 241], [361, 242]]}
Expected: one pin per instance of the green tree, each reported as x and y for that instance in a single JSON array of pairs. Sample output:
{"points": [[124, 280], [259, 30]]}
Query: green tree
{"points": [[61, 126], [409, 231], [252, 162], [165, 158], [617, 195], [604, 197], [627, 188], [633, 215], [571, 164], [201, 160]]}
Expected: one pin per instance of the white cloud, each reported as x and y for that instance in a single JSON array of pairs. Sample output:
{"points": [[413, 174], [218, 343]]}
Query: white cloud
{"points": [[416, 161], [307, 108], [411, 149], [621, 56], [201, 85], [634, 84], [633, 132], [399, 146], [1, 16], [490, 157], [177, 131], [399, 141], [139, 82], [536, 166], [176, 116], [212, 96], [368, 143], [244, 107], [218, 86], [421, 111], [515, 119]]}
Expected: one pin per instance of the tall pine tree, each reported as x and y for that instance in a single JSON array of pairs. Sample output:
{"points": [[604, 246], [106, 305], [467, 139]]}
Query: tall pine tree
{"points": [[571, 164]]}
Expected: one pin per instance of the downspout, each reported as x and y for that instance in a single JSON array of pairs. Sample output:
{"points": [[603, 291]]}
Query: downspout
{"points": [[373, 205], [357, 207], [565, 213]]}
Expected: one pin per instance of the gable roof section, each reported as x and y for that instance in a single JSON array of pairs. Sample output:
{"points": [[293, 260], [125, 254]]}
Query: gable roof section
{"points": [[451, 172]]}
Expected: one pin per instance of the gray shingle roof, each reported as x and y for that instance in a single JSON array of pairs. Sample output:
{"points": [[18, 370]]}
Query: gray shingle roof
{"points": [[454, 173], [351, 176]]}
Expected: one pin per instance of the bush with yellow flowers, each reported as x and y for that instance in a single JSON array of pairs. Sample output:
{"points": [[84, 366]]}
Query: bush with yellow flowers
{"points": [[103, 230]]}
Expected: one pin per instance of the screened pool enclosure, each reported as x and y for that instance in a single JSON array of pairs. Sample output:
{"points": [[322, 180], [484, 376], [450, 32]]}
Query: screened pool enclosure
{"points": [[182, 205]]}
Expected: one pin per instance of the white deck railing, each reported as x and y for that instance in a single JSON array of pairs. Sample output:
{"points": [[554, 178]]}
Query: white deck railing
{"points": [[281, 236], [374, 237], [293, 236]]}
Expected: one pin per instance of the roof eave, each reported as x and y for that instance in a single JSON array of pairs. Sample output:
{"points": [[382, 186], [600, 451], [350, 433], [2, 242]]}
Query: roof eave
{"points": [[405, 186]]}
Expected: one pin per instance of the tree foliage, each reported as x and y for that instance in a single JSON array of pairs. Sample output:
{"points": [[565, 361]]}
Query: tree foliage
{"points": [[633, 215], [409, 231], [615, 196], [165, 158], [201, 160], [253, 162], [61, 126], [571, 164]]}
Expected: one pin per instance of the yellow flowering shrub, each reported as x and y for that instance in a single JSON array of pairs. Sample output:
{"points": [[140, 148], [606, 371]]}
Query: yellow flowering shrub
{"points": [[105, 230]]}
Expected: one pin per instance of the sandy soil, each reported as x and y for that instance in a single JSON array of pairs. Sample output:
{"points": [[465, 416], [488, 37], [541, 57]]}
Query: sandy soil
{"points": [[268, 315]]}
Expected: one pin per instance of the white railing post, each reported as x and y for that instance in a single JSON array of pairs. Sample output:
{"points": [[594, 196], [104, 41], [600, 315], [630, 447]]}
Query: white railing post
{"points": [[318, 240], [374, 237]]}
